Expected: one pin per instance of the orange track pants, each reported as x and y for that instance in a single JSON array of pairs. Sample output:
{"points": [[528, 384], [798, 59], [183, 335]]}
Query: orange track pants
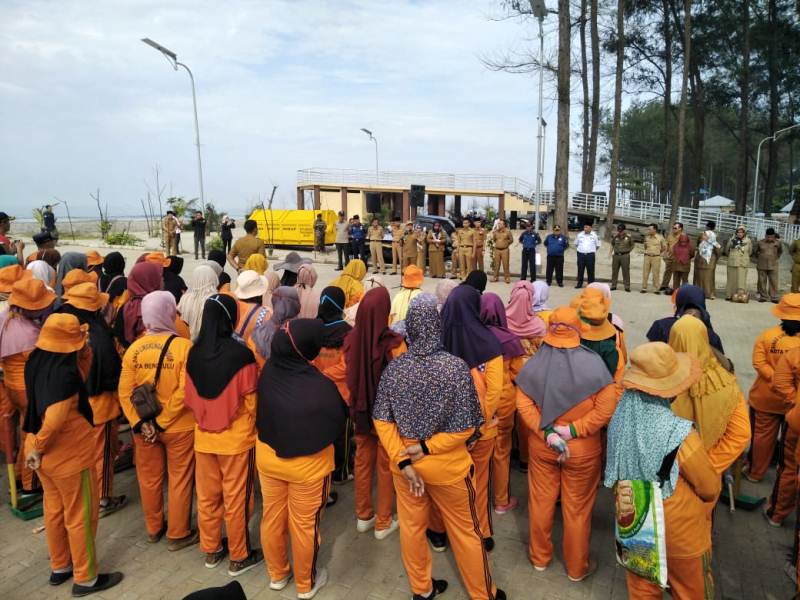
{"points": [[372, 459], [70, 519], [106, 450], [577, 480], [784, 493], [765, 433], [522, 440], [501, 460], [688, 578], [225, 492], [456, 503], [171, 457], [292, 510], [19, 402]]}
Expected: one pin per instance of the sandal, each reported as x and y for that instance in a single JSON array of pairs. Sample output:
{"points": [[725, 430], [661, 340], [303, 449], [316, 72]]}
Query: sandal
{"points": [[113, 505]]}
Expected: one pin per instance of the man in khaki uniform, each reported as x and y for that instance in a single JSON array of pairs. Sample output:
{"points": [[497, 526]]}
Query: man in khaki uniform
{"points": [[768, 252], [169, 227], [621, 246], [409, 246], [672, 239], [480, 246], [454, 256], [466, 247], [654, 248], [422, 246], [397, 246], [437, 242], [794, 250], [375, 237], [502, 239]]}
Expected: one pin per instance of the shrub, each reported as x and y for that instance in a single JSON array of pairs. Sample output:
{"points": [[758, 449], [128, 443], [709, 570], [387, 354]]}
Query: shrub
{"points": [[215, 243], [123, 238]]}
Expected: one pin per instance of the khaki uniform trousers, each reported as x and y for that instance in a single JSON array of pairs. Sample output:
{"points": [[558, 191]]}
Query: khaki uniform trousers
{"points": [[768, 284], [421, 260], [397, 257], [666, 280], [376, 255], [652, 265], [371, 459], [408, 260], [465, 261], [621, 261], [478, 260], [436, 261], [795, 278], [737, 278], [501, 259]]}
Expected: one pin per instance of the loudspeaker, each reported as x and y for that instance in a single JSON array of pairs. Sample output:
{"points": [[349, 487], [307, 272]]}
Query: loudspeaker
{"points": [[417, 195], [512, 222], [373, 202]]}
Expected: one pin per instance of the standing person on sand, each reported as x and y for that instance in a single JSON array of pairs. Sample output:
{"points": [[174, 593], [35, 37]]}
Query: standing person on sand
{"points": [[437, 242], [738, 249], [654, 248], [672, 238], [555, 244], [768, 254], [502, 239]]}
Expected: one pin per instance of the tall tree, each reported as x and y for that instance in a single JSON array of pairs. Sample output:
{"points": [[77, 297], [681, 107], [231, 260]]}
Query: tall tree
{"points": [[742, 180], [664, 178], [772, 77], [562, 133], [615, 151], [586, 186], [591, 165], [677, 188]]}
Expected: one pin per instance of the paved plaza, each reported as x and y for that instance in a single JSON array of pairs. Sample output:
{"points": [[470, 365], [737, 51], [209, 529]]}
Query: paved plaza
{"points": [[749, 556]]}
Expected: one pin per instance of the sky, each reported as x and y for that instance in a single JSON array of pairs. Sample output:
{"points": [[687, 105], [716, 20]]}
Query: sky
{"points": [[281, 86]]}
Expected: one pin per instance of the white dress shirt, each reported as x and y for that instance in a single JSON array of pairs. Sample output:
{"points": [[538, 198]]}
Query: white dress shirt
{"points": [[586, 243]]}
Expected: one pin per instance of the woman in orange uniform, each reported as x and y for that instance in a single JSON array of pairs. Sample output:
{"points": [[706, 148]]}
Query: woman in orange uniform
{"points": [[164, 446], [86, 303], [221, 380], [145, 277], [368, 348], [426, 413], [465, 336], [60, 448], [599, 334], [300, 414], [285, 307], [644, 436], [249, 292], [493, 315], [766, 407], [565, 395], [29, 304]]}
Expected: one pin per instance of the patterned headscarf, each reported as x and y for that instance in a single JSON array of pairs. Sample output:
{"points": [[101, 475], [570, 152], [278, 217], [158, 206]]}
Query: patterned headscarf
{"points": [[641, 433], [426, 390], [541, 293], [285, 307]]}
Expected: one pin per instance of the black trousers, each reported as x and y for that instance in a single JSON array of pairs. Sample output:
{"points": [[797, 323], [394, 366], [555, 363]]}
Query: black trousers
{"points": [[342, 254], [200, 242], [226, 245], [360, 251], [555, 263], [585, 263], [528, 260]]}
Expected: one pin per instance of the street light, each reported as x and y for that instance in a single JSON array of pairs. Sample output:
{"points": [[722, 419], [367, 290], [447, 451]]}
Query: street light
{"points": [[173, 59], [372, 137], [774, 138], [539, 10]]}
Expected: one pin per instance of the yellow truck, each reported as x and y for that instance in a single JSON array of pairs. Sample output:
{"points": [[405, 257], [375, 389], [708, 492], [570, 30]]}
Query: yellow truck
{"points": [[282, 227]]}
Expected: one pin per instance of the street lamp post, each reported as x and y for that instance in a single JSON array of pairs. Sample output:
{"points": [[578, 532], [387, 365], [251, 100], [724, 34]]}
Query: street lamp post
{"points": [[173, 59], [372, 137], [539, 10], [773, 138]]}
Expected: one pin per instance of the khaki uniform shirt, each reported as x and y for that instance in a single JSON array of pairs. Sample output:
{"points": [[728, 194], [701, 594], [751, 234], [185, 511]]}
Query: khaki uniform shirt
{"points": [[502, 239], [622, 244], [794, 250], [480, 237], [421, 238], [767, 254], [409, 245], [169, 224], [466, 238], [433, 238], [740, 255], [397, 233], [672, 239], [654, 245], [375, 233]]}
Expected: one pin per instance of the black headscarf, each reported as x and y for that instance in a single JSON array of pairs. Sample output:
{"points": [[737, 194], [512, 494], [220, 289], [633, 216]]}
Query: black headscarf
{"points": [[106, 363], [476, 279], [113, 281], [224, 278], [216, 357], [218, 256], [300, 411], [688, 296], [289, 278], [331, 312], [173, 282], [463, 332], [52, 377]]}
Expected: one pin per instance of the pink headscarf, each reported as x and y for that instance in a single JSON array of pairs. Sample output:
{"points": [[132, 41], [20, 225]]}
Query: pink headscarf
{"points": [[616, 320], [309, 297], [522, 321], [159, 312]]}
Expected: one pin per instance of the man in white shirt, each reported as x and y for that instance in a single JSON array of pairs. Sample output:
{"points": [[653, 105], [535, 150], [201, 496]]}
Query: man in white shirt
{"points": [[587, 244]]}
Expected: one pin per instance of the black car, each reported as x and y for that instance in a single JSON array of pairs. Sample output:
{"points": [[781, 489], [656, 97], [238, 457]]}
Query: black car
{"points": [[426, 221]]}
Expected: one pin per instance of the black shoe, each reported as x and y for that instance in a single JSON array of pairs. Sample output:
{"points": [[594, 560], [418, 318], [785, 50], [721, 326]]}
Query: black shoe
{"points": [[238, 567], [104, 582], [488, 544], [627, 289], [499, 595], [338, 268], [438, 540], [560, 285], [438, 585], [333, 497], [614, 289], [59, 578], [579, 286], [662, 288], [522, 467]]}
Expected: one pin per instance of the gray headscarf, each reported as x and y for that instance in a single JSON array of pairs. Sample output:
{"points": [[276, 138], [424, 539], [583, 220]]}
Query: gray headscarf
{"points": [[69, 262], [285, 307]]}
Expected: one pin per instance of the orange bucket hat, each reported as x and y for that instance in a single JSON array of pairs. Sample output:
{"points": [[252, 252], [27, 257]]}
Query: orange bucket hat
{"points": [[94, 258], [85, 296], [564, 329], [658, 370], [412, 277], [788, 309], [11, 275], [157, 258], [62, 333], [31, 294], [78, 276], [593, 309]]}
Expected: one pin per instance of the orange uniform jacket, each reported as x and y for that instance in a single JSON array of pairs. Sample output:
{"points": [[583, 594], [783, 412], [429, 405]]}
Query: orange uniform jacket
{"points": [[769, 347], [139, 366], [734, 440], [488, 380], [301, 469], [105, 407], [785, 384], [239, 437], [14, 371]]}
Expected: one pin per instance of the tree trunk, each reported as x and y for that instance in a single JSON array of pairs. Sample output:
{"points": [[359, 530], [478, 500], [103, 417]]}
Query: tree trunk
{"points": [[615, 150], [665, 177], [595, 127], [562, 133], [742, 180], [586, 185], [699, 110], [773, 75], [677, 188]]}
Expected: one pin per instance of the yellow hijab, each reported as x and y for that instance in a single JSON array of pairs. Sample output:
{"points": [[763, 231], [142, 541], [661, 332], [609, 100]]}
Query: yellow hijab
{"points": [[711, 401], [256, 262], [350, 281]]}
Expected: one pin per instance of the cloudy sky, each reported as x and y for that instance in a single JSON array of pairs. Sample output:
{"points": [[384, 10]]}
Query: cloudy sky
{"points": [[281, 86]]}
